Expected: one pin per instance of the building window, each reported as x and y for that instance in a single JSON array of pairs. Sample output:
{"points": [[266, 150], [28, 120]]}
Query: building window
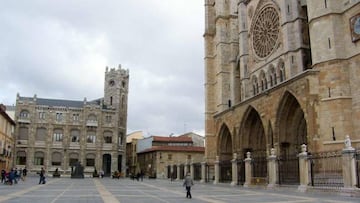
{"points": [[108, 119], [24, 114], [169, 156], [76, 117], [58, 135], [21, 158], [42, 115], [120, 138], [56, 159], [23, 133], [59, 116], [90, 162], [72, 162], [40, 134], [75, 135], [91, 139], [189, 157], [108, 139], [39, 158]]}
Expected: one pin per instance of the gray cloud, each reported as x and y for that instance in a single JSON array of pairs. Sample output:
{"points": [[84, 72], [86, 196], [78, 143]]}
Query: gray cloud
{"points": [[59, 49]]}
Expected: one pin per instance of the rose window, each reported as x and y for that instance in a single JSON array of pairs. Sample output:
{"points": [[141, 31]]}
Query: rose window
{"points": [[265, 31]]}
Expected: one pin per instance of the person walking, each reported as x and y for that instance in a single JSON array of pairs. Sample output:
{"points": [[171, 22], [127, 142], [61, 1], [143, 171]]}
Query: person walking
{"points": [[42, 176], [3, 176], [24, 173], [188, 182]]}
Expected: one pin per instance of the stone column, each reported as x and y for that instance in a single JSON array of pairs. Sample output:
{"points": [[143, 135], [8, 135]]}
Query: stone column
{"points": [[178, 171], [273, 169], [192, 169], [248, 170], [234, 170], [348, 164], [203, 172], [303, 169], [217, 171], [186, 167]]}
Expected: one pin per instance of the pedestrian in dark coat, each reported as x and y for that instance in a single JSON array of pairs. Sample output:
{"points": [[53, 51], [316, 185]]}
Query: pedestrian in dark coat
{"points": [[188, 182], [42, 176]]}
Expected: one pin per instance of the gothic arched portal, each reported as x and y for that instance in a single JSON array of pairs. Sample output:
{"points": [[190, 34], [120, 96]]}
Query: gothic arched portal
{"points": [[253, 140], [225, 154], [292, 134]]}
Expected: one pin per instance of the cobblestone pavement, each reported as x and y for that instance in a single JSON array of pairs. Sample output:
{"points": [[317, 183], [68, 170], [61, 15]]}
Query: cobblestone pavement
{"points": [[108, 190]]}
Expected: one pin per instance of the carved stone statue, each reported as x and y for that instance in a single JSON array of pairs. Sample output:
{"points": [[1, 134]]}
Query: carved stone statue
{"points": [[77, 171]]}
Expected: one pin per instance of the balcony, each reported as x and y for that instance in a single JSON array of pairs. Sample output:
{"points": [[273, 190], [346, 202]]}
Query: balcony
{"points": [[74, 145], [21, 143], [91, 123], [107, 146], [24, 120]]}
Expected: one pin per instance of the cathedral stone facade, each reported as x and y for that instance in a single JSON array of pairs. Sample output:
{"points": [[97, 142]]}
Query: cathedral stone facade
{"points": [[279, 74], [58, 134]]}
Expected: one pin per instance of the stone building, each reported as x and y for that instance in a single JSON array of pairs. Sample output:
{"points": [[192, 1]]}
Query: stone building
{"points": [[279, 74], [55, 133], [7, 127], [162, 157], [132, 166]]}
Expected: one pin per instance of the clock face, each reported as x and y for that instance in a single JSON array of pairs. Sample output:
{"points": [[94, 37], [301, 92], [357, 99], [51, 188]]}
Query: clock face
{"points": [[357, 25], [112, 83]]}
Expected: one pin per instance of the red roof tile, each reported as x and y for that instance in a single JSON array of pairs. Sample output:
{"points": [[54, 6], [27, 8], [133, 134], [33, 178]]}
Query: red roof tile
{"points": [[174, 148], [171, 139]]}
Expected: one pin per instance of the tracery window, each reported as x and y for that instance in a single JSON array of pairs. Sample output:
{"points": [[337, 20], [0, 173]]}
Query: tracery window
{"points": [[265, 31]]}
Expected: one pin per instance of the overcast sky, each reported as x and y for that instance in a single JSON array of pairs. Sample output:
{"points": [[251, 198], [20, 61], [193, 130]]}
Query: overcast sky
{"points": [[59, 49]]}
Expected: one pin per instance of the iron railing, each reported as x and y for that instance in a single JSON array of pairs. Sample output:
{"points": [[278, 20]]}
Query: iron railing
{"points": [[326, 169]]}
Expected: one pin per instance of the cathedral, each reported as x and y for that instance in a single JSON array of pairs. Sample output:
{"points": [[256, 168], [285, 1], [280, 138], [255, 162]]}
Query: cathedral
{"points": [[280, 74], [57, 134]]}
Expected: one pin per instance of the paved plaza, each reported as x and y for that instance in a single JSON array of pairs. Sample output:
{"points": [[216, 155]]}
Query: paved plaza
{"points": [[64, 190]]}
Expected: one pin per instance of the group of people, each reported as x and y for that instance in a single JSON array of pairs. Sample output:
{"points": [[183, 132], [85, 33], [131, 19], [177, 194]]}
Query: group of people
{"points": [[13, 176]]}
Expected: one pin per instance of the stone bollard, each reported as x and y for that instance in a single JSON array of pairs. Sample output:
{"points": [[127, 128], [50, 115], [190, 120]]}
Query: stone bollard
{"points": [[303, 169], [203, 171], [248, 170], [234, 169], [217, 171], [273, 169], [348, 163]]}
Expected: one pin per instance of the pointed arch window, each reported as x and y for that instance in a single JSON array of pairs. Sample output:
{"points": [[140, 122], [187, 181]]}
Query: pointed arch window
{"points": [[273, 79], [263, 81], [282, 71], [255, 85]]}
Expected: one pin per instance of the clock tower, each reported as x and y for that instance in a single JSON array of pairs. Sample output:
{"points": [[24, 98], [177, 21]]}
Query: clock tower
{"points": [[116, 88]]}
